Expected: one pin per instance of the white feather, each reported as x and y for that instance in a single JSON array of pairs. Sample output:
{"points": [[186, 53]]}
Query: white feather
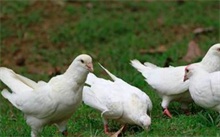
{"points": [[204, 87], [118, 100], [168, 81], [48, 103]]}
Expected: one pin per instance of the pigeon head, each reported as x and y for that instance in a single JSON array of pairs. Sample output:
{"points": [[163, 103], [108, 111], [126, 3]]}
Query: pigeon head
{"points": [[85, 61], [187, 73], [211, 61], [145, 122], [193, 69], [214, 50]]}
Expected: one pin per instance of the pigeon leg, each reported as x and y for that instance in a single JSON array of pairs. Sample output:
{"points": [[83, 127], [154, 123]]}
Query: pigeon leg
{"points": [[167, 113], [165, 103], [35, 132], [106, 129], [62, 127], [105, 122], [36, 126]]}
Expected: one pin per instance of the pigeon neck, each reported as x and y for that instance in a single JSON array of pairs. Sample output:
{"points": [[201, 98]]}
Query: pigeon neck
{"points": [[211, 64], [198, 75], [78, 74]]}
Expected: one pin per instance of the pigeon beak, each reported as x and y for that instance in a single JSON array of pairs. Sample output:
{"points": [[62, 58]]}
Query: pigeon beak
{"points": [[90, 67], [185, 78], [147, 129]]}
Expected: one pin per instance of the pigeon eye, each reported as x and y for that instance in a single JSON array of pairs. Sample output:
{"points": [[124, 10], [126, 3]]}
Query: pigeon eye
{"points": [[82, 61], [186, 70], [218, 49]]}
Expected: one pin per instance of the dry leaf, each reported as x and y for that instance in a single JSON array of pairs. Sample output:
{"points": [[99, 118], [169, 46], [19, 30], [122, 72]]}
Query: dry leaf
{"points": [[198, 31], [159, 49], [193, 52], [160, 21], [89, 5], [54, 71]]}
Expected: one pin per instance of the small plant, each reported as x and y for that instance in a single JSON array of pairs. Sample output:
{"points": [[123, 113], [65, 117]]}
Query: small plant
{"points": [[210, 119]]}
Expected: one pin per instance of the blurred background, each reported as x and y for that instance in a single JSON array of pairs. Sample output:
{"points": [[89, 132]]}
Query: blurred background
{"points": [[39, 39], [43, 36]]}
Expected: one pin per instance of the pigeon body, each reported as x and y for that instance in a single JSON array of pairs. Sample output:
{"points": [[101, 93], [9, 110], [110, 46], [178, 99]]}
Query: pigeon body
{"points": [[45, 103], [117, 100], [168, 81], [204, 87]]}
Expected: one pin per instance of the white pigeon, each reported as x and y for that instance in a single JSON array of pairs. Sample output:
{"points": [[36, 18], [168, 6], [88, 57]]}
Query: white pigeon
{"points": [[204, 87], [48, 103], [168, 81], [117, 100]]}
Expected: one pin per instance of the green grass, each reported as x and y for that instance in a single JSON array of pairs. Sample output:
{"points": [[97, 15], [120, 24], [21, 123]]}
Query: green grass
{"points": [[113, 33]]}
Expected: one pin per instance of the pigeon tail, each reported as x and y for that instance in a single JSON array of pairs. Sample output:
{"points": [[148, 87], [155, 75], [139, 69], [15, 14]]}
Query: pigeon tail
{"points": [[142, 68], [6, 94], [109, 73], [14, 81], [27, 81], [151, 65]]}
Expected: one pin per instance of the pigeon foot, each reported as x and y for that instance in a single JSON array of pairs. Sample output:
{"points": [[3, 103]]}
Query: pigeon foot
{"points": [[167, 113]]}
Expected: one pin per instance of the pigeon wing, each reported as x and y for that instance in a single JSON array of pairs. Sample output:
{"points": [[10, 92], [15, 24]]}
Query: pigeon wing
{"points": [[90, 99]]}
